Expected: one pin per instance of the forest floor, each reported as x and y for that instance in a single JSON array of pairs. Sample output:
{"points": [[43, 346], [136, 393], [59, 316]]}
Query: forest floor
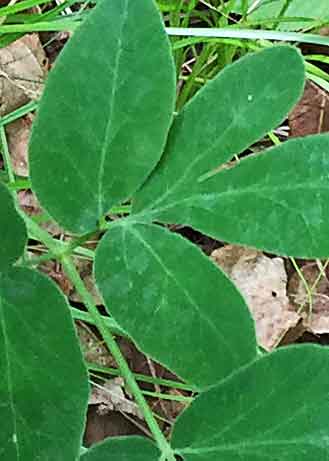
{"points": [[288, 298]]}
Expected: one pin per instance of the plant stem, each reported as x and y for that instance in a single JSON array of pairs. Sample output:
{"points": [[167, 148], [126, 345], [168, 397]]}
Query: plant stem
{"points": [[114, 328], [6, 155], [39, 234], [86, 297], [140, 377]]}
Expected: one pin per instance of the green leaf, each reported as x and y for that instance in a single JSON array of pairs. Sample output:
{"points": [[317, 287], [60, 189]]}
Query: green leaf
{"points": [[12, 230], [150, 279], [43, 386], [237, 108], [277, 201], [123, 449], [313, 11], [105, 113], [275, 409]]}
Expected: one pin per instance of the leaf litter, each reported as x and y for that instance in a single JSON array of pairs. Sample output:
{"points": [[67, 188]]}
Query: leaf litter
{"points": [[22, 72], [262, 281], [313, 303]]}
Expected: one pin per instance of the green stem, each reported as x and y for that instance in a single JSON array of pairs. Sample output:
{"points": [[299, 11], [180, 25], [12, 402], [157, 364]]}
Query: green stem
{"points": [[6, 155], [86, 297], [35, 261], [38, 233], [56, 247], [77, 314], [188, 86], [308, 290], [155, 395], [143, 378]]}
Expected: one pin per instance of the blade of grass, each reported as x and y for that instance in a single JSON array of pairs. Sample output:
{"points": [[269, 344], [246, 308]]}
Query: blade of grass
{"points": [[318, 80], [18, 113], [21, 6], [317, 57], [312, 69], [77, 314], [143, 378], [68, 24], [242, 34]]}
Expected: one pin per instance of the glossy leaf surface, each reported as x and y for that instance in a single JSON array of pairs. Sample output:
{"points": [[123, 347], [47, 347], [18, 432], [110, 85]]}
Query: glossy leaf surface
{"points": [[237, 108], [277, 201], [123, 449], [310, 10], [174, 302], [104, 115], [275, 409], [12, 230], [43, 386]]}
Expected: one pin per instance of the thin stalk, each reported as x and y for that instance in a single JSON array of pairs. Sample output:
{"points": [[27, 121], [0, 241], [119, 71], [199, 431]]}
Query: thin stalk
{"points": [[174, 398], [143, 378], [6, 155], [77, 314], [245, 6], [21, 6], [306, 286], [18, 113], [86, 297], [78, 241], [230, 32], [155, 395], [185, 93], [39, 234], [19, 184], [35, 261]]}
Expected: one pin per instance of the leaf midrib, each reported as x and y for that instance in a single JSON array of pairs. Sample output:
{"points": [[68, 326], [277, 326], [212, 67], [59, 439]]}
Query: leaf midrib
{"points": [[192, 302], [237, 192], [112, 101], [234, 122], [317, 442]]}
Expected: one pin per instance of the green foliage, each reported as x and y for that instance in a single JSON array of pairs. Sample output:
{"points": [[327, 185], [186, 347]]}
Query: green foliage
{"points": [[103, 124], [262, 201], [43, 388], [150, 290], [123, 449], [304, 12], [276, 408], [106, 111], [12, 231]]}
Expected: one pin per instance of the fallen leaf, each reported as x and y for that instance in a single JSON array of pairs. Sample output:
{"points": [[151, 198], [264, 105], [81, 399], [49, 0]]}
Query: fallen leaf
{"points": [[113, 424], [311, 115], [110, 396], [262, 281], [18, 133], [29, 203], [22, 73]]}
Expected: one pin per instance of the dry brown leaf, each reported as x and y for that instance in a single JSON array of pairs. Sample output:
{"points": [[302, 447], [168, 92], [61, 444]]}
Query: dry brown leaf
{"points": [[18, 133], [29, 203], [94, 351], [22, 72], [315, 320], [111, 397], [311, 115], [262, 281]]}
